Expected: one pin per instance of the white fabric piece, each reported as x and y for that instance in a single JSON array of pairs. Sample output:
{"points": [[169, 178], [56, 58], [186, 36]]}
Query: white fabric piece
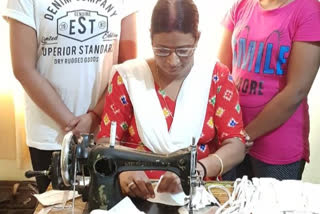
{"points": [[177, 199], [201, 198], [53, 197], [124, 206], [311, 197], [45, 210], [59, 208], [76, 48], [191, 105]]}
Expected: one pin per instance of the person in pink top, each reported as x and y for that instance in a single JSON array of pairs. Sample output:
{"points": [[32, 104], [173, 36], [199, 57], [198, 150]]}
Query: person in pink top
{"points": [[273, 50]]}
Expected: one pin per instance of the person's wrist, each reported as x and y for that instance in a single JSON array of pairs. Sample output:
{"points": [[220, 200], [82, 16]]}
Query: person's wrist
{"points": [[203, 170], [68, 119], [94, 115], [220, 163]]}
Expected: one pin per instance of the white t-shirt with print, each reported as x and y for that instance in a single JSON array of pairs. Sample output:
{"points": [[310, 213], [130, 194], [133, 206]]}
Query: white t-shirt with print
{"points": [[76, 39]]}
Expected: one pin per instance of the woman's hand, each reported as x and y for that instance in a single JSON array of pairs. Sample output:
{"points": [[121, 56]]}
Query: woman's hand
{"points": [[136, 184], [72, 124], [82, 124], [170, 182]]}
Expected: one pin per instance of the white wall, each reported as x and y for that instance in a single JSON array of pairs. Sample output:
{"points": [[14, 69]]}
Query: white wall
{"points": [[211, 13], [312, 170], [8, 166]]}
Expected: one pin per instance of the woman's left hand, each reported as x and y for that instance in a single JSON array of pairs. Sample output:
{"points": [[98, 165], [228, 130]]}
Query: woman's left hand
{"points": [[170, 182]]}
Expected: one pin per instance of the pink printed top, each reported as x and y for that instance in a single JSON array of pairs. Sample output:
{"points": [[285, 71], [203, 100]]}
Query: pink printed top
{"points": [[223, 116], [261, 44]]}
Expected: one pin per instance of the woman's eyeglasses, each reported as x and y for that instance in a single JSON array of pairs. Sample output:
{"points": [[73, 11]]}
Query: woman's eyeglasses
{"points": [[181, 52]]}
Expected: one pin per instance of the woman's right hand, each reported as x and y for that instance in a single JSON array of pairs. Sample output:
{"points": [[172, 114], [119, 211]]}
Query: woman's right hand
{"points": [[136, 184]]}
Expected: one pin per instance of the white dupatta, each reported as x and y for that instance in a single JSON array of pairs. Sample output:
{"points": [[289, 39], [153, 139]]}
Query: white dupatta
{"points": [[190, 111]]}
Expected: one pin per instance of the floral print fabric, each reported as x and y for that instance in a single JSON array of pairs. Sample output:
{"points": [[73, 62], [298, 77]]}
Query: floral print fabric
{"points": [[223, 118]]}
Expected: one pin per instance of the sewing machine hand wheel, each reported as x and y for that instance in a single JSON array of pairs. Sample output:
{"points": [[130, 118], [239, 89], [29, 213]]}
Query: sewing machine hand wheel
{"points": [[68, 158]]}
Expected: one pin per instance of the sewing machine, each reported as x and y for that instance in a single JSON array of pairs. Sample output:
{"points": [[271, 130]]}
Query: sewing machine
{"points": [[104, 163]]}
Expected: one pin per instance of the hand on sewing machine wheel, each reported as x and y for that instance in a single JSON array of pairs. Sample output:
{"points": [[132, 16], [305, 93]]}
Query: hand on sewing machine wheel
{"points": [[136, 184], [82, 124], [170, 182]]}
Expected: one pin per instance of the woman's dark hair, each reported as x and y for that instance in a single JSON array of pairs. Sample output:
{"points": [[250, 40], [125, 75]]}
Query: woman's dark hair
{"points": [[175, 15]]}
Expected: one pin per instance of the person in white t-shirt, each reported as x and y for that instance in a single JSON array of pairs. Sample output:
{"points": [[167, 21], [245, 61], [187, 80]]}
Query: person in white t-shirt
{"points": [[62, 51]]}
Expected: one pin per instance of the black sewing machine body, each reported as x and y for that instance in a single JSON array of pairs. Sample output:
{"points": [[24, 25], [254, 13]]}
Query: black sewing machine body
{"points": [[104, 163]]}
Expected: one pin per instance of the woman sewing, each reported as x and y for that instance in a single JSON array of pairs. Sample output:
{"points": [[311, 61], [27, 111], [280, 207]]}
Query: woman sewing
{"points": [[160, 104]]}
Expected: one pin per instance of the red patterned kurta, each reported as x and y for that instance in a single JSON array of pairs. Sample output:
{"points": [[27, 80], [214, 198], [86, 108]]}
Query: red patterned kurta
{"points": [[223, 117]]}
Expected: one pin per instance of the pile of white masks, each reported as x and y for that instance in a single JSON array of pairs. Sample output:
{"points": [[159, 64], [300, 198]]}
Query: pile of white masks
{"points": [[268, 195]]}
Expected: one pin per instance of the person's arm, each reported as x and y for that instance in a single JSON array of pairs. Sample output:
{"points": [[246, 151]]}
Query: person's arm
{"points": [[231, 152], [127, 50], [23, 43], [128, 39], [132, 183], [225, 56], [303, 66], [228, 123], [225, 49]]}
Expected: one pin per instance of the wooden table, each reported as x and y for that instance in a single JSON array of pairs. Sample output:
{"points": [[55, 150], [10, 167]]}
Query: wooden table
{"points": [[80, 206]]}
